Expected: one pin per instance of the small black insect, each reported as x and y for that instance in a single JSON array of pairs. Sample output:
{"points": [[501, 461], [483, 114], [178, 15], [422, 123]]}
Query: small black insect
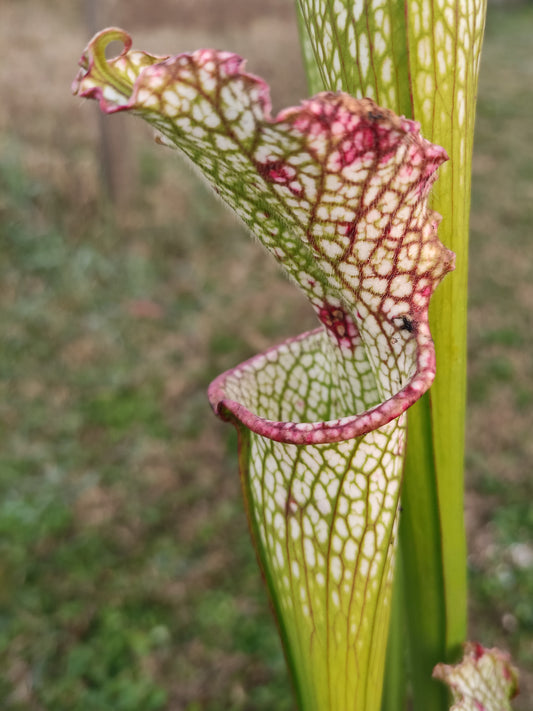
{"points": [[407, 323], [375, 115]]}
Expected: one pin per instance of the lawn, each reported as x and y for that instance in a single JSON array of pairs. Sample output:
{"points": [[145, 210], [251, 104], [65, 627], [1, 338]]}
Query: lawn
{"points": [[127, 579]]}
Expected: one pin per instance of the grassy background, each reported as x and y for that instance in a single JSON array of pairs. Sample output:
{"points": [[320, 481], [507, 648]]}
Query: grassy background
{"points": [[127, 580]]}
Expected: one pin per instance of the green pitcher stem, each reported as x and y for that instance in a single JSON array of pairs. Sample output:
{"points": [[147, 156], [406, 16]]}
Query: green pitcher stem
{"points": [[328, 566]]}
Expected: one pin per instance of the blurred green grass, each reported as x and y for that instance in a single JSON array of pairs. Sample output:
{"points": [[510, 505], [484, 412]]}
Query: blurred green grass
{"points": [[127, 580], [499, 443]]}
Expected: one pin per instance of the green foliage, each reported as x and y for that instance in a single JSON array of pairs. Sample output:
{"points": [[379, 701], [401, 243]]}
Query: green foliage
{"points": [[99, 480], [502, 578], [123, 408]]}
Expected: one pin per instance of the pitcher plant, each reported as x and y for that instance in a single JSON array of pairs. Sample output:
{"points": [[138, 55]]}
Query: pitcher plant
{"points": [[340, 191]]}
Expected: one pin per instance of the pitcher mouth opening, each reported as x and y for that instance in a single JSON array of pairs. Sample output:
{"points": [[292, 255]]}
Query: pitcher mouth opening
{"points": [[231, 393]]}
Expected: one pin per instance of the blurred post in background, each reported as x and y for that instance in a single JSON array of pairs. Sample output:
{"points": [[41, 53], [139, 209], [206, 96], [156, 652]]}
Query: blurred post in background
{"points": [[117, 161]]}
